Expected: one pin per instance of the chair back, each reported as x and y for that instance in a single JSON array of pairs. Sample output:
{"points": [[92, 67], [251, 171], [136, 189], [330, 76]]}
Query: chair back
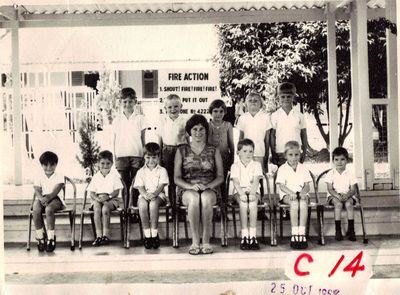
{"points": [[69, 182]]}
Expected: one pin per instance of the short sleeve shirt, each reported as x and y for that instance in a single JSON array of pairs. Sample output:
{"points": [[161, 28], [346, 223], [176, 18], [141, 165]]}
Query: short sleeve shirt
{"points": [[171, 131], [341, 182], [294, 180], [246, 174], [151, 179], [101, 184], [288, 127], [254, 128], [47, 184], [127, 131]]}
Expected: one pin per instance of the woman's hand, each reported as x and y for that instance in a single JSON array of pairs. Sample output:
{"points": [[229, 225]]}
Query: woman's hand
{"points": [[196, 187]]}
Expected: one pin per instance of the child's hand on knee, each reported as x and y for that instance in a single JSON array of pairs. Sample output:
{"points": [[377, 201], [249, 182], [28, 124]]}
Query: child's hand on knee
{"points": [[103, 197], [252, 198], [304, 197], [152, 196], [293, 197], [243, 198]]}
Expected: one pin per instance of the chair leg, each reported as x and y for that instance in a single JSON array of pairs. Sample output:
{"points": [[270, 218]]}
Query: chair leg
{"points": [[93, 225], [321, 224], [72, 222], [308, 222], [365, 239], [28, 244], [128, 230], [222, 233], [175, 229], [234, 222], [81, 231], [122, 227], [263, 225], [281, 222], [167, 224], [271, 226]]}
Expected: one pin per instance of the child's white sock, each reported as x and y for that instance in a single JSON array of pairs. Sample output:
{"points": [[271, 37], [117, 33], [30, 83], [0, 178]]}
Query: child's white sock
{"points": [[50, 234], [99, 233], [154, 232], [295, 230], [147, 233], [245, 233], [252, 232], [39, 234], [302, 230]]}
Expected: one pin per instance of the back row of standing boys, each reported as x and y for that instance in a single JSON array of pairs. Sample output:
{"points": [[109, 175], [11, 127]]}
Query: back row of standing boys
{"points": [[282, 131]]}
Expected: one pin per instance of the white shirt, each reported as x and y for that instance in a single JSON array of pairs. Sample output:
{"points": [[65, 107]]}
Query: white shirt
{"points": [[288, 127], [47, 184], [105, 184], [294, 180], [254, 128], [246, 174], [171, 131], [341, 182], [127, 131], [151, 179]]}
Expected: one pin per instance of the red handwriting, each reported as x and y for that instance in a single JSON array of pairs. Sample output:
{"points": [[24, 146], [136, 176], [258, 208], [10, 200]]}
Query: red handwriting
{"points": [[296, 264]]}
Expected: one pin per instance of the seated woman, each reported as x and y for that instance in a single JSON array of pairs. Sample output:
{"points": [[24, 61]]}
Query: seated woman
{"points": [[198, 174]]}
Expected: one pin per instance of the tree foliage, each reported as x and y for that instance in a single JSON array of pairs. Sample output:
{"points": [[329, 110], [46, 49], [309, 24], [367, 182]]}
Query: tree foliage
{"points": [[88, 146], [108, 93], [259, 56]]}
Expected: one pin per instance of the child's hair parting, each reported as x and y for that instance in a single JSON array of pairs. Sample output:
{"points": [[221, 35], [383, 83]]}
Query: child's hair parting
{"points": [[245, 142], [152, 149], [194, 120], [107, 155], [128, 93], [340, 151], [292, 145], [215, 104], [254, 94], [286, 87], [172, 97], [48, 158]]}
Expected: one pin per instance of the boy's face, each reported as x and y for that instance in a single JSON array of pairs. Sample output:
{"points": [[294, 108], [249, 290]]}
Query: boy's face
{"points": [[293, 156], [217, 114], [173, 108], [151, 160], [128, 104], [253, 103], [340, 162], [49, 169], [198, 133], [286, 99], [105, 166], [246, 154]]}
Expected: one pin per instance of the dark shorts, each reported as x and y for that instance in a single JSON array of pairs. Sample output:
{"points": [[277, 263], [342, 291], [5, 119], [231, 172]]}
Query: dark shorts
{"points": [[330, 202], [168, 159], [126, 163]]}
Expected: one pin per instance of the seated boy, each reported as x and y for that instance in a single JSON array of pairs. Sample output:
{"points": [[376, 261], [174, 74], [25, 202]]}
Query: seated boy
{"points": [[104, 190], [47, 186], [245, 175], [150, 181], [341, 184]]}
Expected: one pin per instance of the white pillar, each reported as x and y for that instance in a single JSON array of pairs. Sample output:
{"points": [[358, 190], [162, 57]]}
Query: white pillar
{"points": [[17, 115], [361, 104], [393, 131], [398, 76], [332, 80]]}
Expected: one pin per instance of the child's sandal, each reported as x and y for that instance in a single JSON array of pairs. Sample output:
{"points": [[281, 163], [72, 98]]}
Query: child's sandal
{"points": [[206, 249], [51, 245], [194, 250]]}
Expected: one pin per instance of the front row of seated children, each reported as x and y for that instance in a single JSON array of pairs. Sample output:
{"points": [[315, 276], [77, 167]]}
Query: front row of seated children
{"points": [[293, 180]]}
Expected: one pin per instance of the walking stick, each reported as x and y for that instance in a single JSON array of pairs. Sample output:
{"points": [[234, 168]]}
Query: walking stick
{"points": [[298, 216], [200, 210]]}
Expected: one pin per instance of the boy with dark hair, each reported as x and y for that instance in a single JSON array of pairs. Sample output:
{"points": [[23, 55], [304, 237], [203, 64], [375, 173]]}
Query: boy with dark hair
{"points": [[151, 180], [47, 186]]}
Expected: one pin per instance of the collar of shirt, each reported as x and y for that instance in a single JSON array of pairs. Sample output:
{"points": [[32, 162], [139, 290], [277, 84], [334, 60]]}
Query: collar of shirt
{"points": [[155, 168], [291, 112]]}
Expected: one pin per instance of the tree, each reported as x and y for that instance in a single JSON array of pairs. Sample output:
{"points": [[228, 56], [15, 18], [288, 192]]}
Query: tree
{"points": [[108, 93], [259, 56], [88, 146]]}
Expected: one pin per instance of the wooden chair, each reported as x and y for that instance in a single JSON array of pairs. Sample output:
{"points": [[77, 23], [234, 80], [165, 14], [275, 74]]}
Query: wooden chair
{"points": [[278, 205], [180, 214], [266, 203], [134, 210], [86, 210], [70, 211], [325, 206]]}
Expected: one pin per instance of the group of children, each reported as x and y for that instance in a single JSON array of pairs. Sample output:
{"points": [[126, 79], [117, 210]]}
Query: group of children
{"points": [[280, 132]]}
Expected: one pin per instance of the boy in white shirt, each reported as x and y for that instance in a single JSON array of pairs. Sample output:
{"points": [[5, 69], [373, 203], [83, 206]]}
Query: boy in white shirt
{"points": [[341, 184], [104, 190], [255, 125], [287, 124], [47, 186], [129, 138], [294, 180], [245, 175], [150, 181], [171, 131]]}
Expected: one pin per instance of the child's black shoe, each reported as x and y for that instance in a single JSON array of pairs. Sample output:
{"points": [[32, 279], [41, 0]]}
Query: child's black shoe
{"points": [[41, 244], [97, 242], [51, 245], [352, 236], [254, 245], [148, 243], [302, 243], [244, 245], [156, 242], [105, 240], [338, 235]]}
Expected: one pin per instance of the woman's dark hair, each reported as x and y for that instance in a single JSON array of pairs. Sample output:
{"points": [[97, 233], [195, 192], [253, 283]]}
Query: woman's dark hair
{"points": [[196, 120]]}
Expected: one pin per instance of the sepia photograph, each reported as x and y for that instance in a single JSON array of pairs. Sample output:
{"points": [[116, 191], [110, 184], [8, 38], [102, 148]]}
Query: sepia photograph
{"points": [[199, 147]]}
